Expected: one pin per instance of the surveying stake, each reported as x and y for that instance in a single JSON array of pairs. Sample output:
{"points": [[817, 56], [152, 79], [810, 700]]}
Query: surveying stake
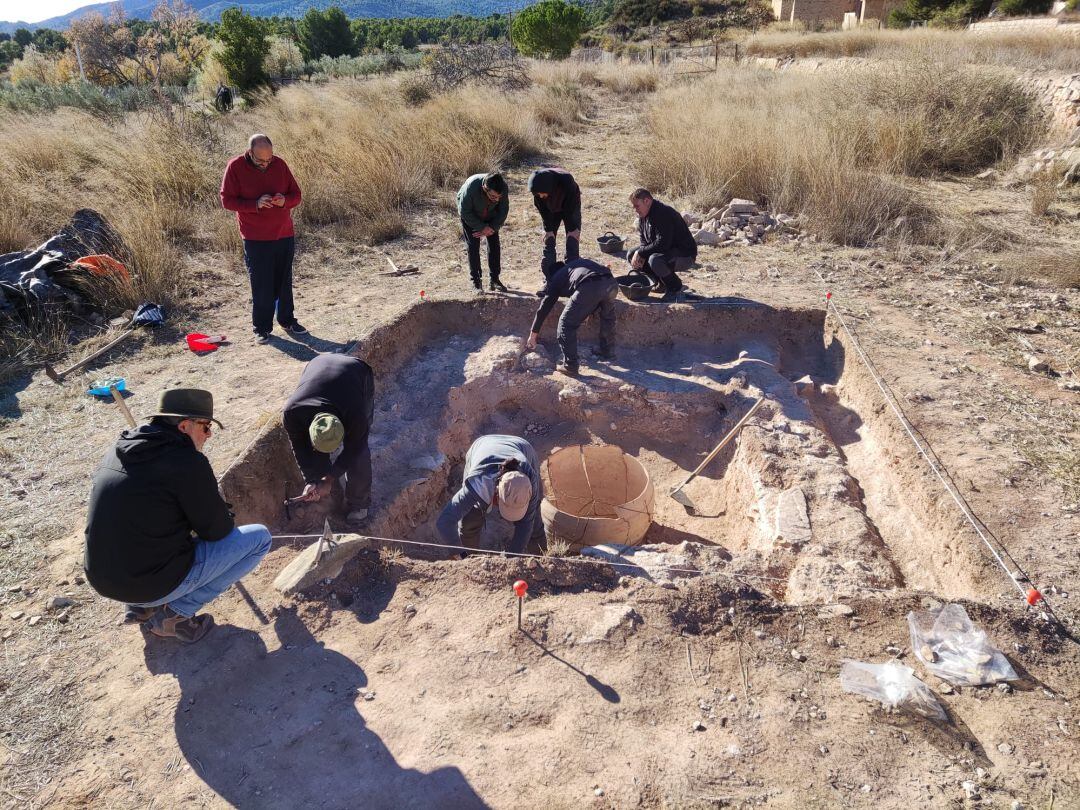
{"points": [[521, 587]]}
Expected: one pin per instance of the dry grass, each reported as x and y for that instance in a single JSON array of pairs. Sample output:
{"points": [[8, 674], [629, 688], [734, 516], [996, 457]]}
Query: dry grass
{"points": [[1040, 50], [362, 159], [835, 150], [622, 79], [1043, 192], [1054, 264]]}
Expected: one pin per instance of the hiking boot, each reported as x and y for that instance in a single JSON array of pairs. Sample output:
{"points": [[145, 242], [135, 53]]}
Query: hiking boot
{"points": [[567, 369], [262, 338], [167, 623], [671, 297], [137, 614], [296, 329], [603, 354], [356, 516], [497, 286]]}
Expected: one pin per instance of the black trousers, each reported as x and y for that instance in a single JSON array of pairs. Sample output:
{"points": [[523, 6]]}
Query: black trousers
{"points": [[269, 266], [494, 254], [358, 478], [571, 221], [665, 268], [595, 295]]}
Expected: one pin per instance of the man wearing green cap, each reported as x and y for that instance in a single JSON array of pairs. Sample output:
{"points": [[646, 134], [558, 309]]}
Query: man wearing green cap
{"points": [[159, 536], [328, 419]]}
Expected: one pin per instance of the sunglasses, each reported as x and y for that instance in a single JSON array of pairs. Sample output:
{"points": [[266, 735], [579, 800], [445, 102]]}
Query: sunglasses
{"points": [[205, 424]]}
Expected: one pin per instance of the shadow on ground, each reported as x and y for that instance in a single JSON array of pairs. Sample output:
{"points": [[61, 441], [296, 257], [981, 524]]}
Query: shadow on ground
{"points": [[281, 728]]}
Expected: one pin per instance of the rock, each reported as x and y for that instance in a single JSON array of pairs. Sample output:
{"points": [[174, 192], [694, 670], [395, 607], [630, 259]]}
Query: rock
{"points": [[835, 611], [706, 237], [598, 792], [59, 602], [429, 463], [537, 361], [1069, 385], [688, 216], [738, 206], [16, 614], [989, 174], [698, 726], [1005, 748], [614, 618], [971, 790], [792, 520], [303, 572], [798, 656], [759, 635], [945, 687], [1017, 805], [1037, 365], [831, 641], [34, 620]]}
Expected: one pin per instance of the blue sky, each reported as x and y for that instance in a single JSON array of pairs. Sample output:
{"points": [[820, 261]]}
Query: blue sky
{"points": [[37, 10]]}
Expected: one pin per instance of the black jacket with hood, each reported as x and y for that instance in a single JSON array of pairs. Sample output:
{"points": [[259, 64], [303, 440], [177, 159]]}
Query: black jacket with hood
{"points": [[152, 495], [563, 200]]}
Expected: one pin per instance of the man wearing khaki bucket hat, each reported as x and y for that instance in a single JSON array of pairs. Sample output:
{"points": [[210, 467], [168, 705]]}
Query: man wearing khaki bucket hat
{"points": [[500, 472], [328, 420], [159, 536]]}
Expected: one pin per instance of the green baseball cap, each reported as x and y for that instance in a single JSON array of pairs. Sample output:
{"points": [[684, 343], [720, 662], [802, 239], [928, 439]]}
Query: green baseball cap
{"points": [[326, 432]]}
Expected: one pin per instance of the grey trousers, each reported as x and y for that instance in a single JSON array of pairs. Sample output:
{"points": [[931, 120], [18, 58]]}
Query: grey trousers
{"points": [[473, 524], [595, 295]]}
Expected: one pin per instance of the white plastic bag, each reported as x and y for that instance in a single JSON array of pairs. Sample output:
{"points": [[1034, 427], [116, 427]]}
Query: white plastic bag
{"points": [[954, 649], [894, 684]]}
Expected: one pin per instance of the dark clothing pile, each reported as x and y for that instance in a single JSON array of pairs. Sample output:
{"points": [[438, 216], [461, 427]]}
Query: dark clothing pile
{"points": [[343, 386], [664, 231], [41, 275], [153, 495], [563, 203], [590, 288]]}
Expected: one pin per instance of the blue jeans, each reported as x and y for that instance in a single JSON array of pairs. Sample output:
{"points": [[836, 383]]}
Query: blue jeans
{"points": [[217, 566]]}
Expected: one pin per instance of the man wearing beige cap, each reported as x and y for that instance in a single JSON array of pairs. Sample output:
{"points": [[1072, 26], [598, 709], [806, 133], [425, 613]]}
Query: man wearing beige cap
{"points": [[328, 420], [500, 472], [159, 536]]}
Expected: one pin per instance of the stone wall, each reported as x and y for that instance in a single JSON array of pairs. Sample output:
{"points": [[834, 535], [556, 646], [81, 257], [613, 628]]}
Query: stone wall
{"points": [[1060, 96], [812, 11], [1026, 25]]}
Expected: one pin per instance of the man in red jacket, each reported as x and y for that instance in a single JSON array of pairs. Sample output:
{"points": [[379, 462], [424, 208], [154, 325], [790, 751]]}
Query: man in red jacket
{"points": [[259, 187]]}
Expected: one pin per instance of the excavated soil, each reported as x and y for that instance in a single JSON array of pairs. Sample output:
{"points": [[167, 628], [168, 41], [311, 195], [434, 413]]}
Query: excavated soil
{"points": [[813, 502]]}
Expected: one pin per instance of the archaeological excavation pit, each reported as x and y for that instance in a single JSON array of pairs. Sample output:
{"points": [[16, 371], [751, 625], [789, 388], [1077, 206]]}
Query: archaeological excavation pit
{"points": [[820, 497]]}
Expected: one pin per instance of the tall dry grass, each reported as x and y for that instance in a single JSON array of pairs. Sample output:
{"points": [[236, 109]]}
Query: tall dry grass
{"points": [[621, 79], [1036, 50], [835, 150], [361, 157]]}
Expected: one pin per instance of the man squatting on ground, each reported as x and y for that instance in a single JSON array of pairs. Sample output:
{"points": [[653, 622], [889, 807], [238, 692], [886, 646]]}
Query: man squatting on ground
{"points": [[259, 187], [558, 199], [330, 412], [483, 202], [503, 472], [667, 246], [590, 288], [159, 536]]}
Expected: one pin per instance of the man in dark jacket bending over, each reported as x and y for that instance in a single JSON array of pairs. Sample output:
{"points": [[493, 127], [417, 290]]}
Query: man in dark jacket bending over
{"points": [[159, 536], [558, 199], [590, 288], [483, 202], [330, 412], [503, 472], [667, 246]]}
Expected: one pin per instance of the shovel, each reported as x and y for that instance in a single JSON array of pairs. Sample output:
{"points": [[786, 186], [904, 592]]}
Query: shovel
{"points": [[684, 499]]}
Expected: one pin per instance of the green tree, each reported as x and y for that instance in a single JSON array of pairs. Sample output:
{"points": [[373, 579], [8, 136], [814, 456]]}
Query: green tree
{"points": [[23, 36], [47, 40], [244, 48], [549, 29], [9, 52], [326, 33]]}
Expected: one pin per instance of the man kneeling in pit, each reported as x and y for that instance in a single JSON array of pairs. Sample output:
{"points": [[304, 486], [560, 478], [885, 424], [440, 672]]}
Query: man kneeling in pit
{"points": [[503, 472], [328, 420]]}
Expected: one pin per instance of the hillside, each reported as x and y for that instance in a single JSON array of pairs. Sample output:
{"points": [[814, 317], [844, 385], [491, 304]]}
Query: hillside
{"points": [[211, 9]]}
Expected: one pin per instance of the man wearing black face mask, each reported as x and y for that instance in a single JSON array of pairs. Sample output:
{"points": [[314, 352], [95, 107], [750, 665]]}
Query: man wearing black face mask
{"points": [[590, 288]]}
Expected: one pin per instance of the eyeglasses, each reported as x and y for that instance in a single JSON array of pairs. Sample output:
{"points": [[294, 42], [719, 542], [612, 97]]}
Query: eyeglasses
{"points": [[205, 424]]}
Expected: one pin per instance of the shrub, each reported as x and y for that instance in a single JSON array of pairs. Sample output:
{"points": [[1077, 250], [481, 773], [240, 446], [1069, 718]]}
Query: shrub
{"points": [[549, 29], [244, 48], [415, 90]]}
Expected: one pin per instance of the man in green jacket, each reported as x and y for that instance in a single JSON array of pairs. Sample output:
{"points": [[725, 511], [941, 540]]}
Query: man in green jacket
{"points": [[483, 203]]}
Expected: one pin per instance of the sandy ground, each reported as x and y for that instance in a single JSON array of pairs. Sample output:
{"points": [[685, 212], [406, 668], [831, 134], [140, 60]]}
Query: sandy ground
{"points": [[405, 683]]}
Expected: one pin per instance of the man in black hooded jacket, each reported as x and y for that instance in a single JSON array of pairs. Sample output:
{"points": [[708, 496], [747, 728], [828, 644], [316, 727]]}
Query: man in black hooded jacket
{"points": [[159, 536], [558, 199], [667, 247]]}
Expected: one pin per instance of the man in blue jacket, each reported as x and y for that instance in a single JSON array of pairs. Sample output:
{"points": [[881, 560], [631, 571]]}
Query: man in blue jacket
{"points": [[502, 472], [590, 288]]}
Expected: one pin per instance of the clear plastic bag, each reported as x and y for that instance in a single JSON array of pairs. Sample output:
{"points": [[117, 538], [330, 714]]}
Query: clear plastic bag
{"points": [[894, 684], [954, 649]]}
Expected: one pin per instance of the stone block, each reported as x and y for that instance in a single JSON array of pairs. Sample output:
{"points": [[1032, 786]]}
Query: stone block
{"points": [[792, 520]]}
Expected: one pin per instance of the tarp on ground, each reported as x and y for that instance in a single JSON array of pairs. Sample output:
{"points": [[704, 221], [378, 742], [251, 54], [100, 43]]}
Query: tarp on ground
{"points": [[40, 275]]}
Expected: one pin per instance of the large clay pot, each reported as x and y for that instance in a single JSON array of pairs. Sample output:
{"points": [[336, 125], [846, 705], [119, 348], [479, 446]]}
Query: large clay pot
{"points": [[596, 494]]}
